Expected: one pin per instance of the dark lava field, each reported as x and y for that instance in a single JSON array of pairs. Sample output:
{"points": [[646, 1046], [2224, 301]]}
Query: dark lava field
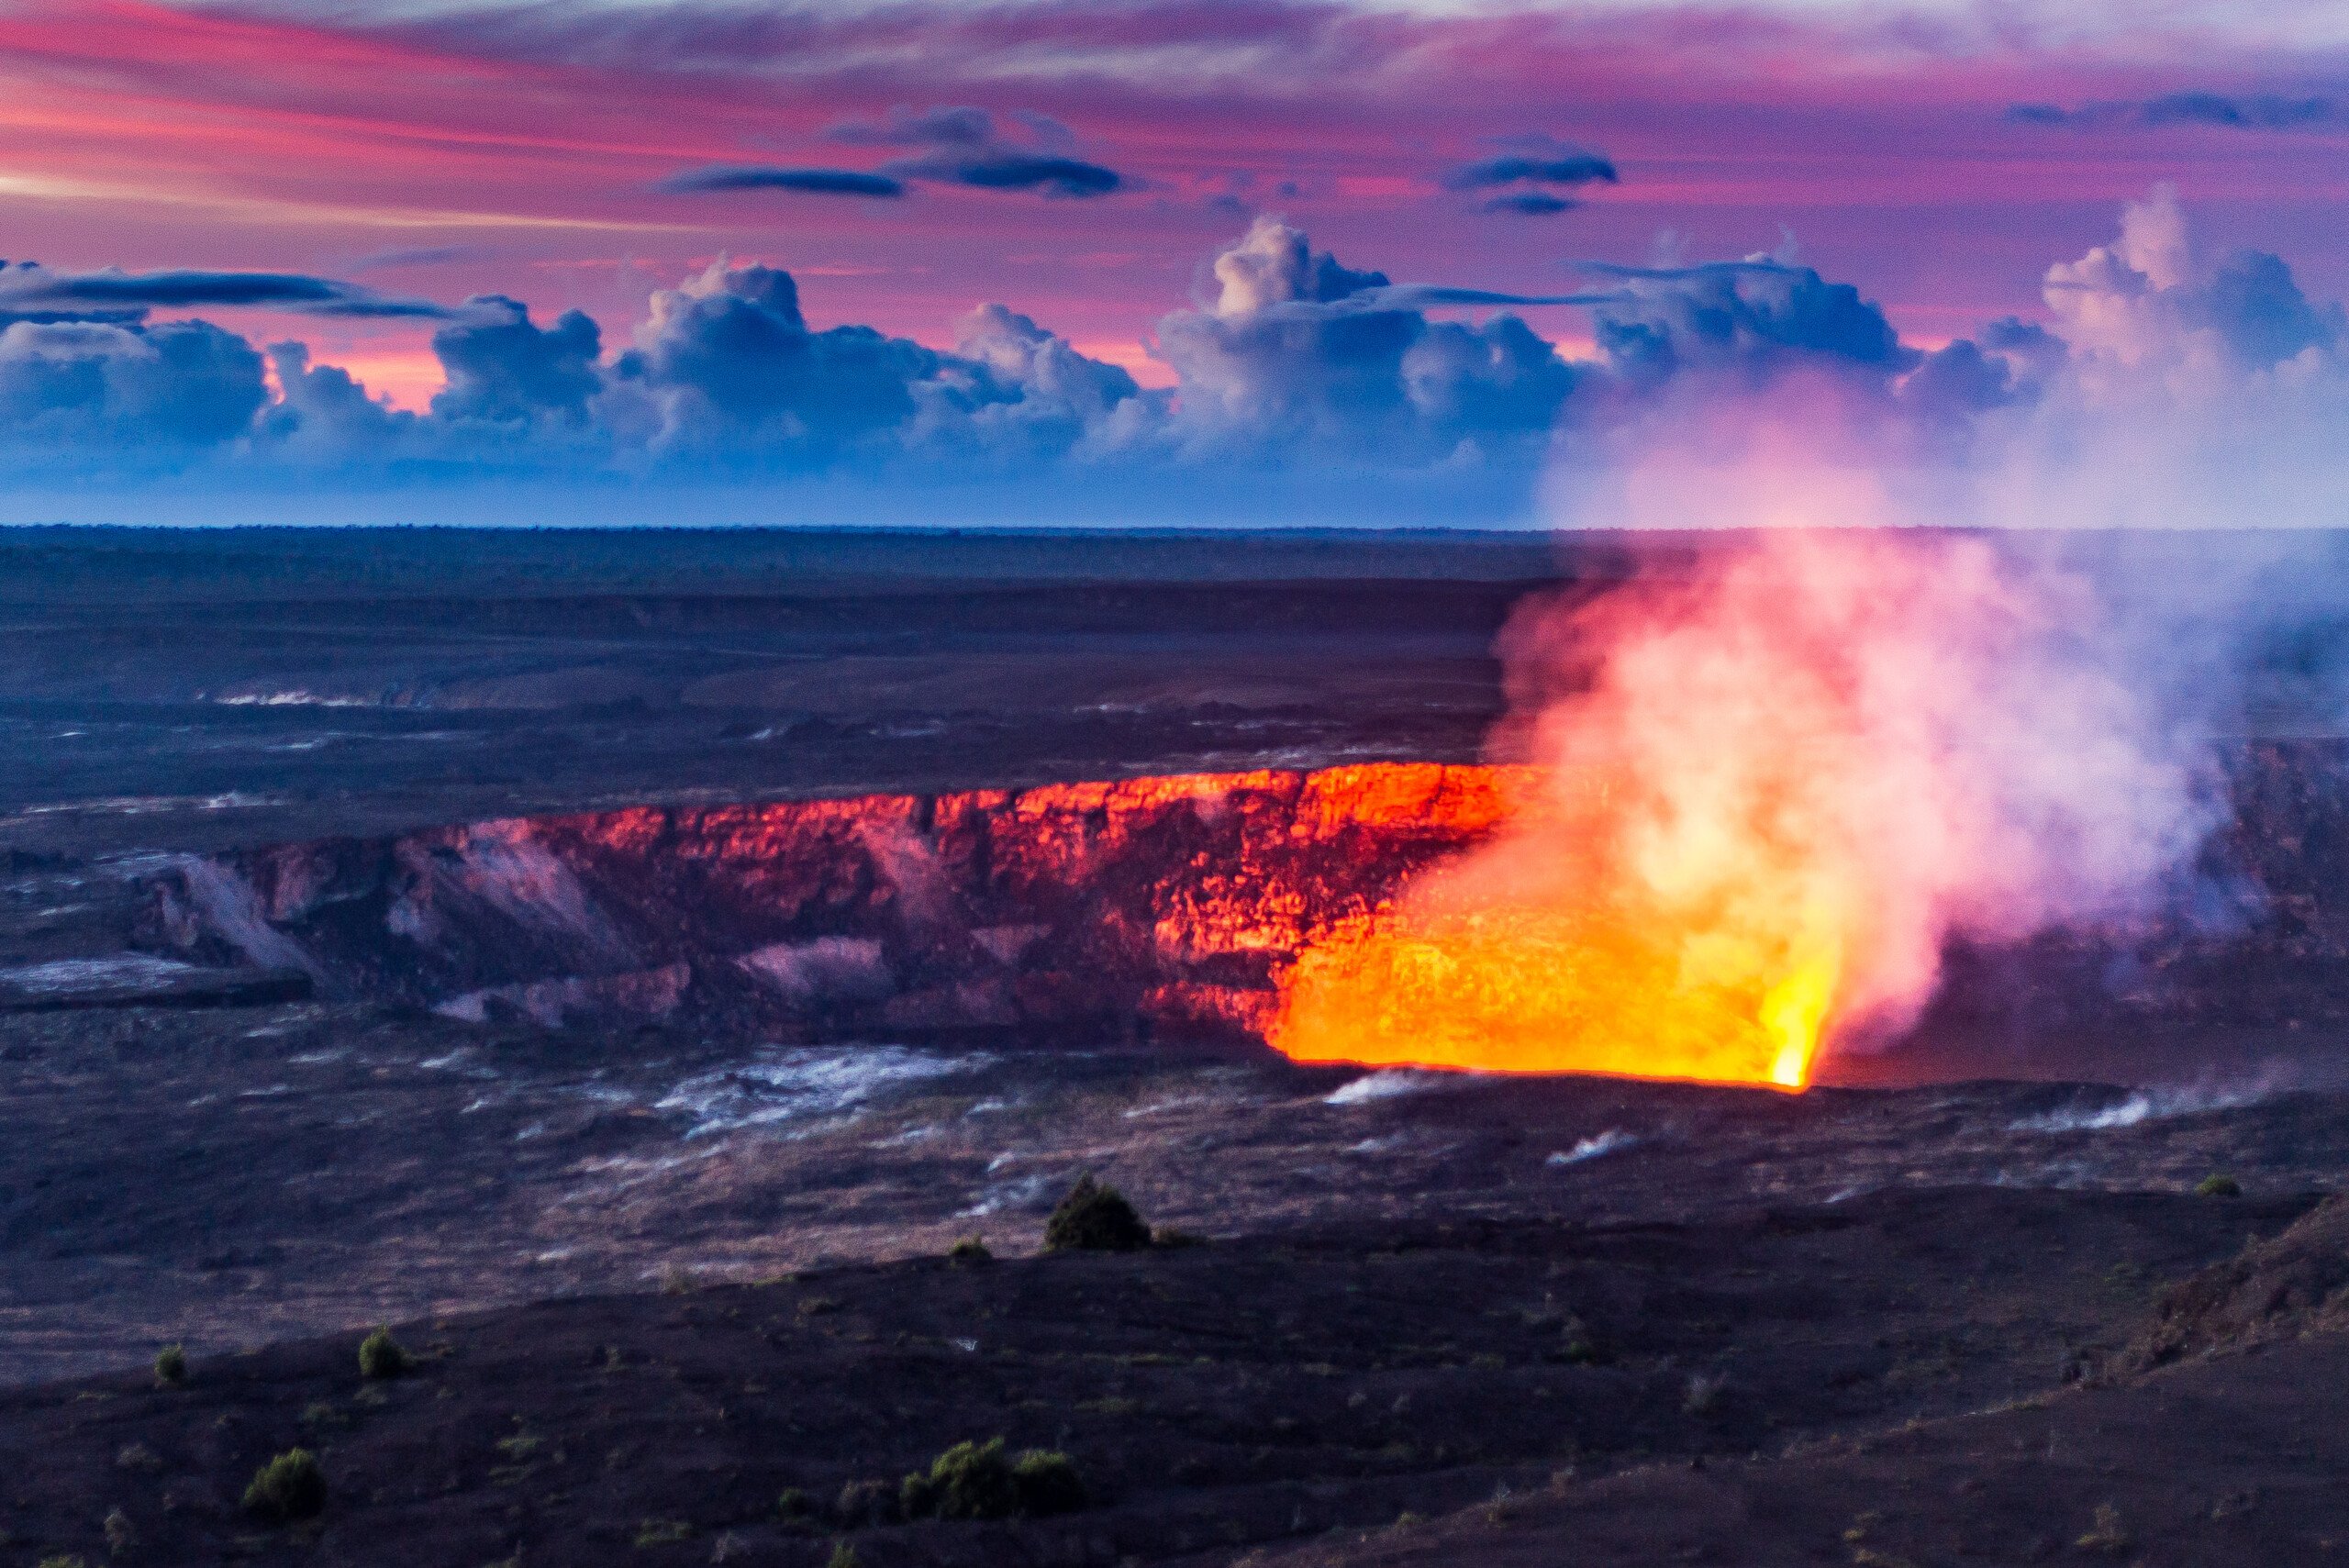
{"points": [[349, 975]]}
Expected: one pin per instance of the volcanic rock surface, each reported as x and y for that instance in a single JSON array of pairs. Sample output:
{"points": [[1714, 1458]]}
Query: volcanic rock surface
{"points": [[628, 966], [1156, 909], [1149, 907], [1212, 1397]]}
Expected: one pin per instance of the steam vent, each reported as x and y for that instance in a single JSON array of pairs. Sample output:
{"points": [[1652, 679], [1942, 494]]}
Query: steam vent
{"points": [[1162, 908]]}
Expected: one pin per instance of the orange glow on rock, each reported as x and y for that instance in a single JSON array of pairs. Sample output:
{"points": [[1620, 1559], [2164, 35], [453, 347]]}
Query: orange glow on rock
{"points": [[1764, 797], [1539, 953]]}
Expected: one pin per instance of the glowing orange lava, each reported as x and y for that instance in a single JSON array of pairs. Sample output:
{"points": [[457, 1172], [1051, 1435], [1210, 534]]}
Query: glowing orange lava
{"points": [[1518, 960], [1744, 812]]}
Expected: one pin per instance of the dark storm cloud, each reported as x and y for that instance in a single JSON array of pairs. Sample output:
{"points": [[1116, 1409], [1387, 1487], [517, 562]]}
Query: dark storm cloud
{"points": [[1431, 296], [1531, 204], [731, 350], [28, 286], [1753, 316], [2255, 305], [1534, 161], [1528, 174], [962, 145], [1299, 353], [102, 394], [2253, 111], [1297, 358], [1006, 169], [1292, 362], [503, 367], [803, 181]]}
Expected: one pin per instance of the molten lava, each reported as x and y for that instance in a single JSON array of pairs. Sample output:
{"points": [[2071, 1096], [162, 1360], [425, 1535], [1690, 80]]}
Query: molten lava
{"points": [[1537, 954], [1742, 813], [1763, 799]]}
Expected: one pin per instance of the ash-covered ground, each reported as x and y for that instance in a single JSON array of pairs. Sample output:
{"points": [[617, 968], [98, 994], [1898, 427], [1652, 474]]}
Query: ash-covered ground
{"points": [[1902, 1292]]}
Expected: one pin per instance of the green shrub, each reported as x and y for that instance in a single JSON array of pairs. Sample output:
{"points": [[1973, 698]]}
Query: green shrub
{"points": [[380, 1357], [63, 1560], [290, 1486], [171, 1365], [980, 1481], [1047, 1483], [1094, 1219], [2218, 1184], [792, 1504], [866, 1503], [844, 1556], [970, 1249], [663, 1532], [969, 1481]]}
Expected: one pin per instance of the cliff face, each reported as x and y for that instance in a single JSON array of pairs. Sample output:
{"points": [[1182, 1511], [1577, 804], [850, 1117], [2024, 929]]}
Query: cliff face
{"points": [[1160, 906], [1154, 906]]}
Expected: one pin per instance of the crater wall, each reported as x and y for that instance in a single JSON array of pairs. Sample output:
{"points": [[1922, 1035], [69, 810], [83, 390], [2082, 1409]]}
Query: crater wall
{"points": [[1146, 907]]}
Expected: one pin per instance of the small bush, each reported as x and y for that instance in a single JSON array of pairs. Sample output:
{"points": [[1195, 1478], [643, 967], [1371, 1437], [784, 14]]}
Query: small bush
{"points": [[380, 1357], [662, 1532], [1047, 1483], [2106, 1534], [970, 1249], [866, 1503], [969, 1481], [171, 1365], [2218, 1184], [844, 1556], [121, 1534], [1094, 1219], [289, 1487], [63, 1560], [1168, 1236], [793, 1504], [979, 1481]]}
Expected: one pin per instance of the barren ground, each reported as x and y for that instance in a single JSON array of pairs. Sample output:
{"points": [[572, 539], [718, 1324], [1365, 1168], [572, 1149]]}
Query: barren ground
{"points": [[658, 1275]]}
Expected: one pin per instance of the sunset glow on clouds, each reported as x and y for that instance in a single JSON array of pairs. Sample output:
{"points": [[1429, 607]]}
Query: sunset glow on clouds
{"points": [[1026, 203]]}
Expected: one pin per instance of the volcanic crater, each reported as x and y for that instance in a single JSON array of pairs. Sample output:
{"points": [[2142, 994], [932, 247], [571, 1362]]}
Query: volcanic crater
{"points": [[649, 1129]]}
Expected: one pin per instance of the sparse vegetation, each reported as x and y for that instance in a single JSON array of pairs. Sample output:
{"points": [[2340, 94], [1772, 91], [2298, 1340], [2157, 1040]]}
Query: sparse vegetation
{"points": [[980, 1481], [969, 1481], [63, 1560], [287, 1488], [120, 1533], [322, 1415], [970, 1249], [1094, 1218], [1047, 1483], [171, 1365], [1168, 1236], [844, 1556], [793, 1504], [2218, 1184], [2106, 1535], [1704, 1395], [663, 1532], [866, 1503], [381, 1358]]}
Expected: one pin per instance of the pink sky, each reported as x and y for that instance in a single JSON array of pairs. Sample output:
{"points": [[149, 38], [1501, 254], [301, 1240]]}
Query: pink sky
{"points": [[510, 150]]}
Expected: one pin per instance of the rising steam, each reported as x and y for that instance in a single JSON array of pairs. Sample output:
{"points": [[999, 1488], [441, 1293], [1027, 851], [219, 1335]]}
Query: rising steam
{"points": [[1758, 805]]}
